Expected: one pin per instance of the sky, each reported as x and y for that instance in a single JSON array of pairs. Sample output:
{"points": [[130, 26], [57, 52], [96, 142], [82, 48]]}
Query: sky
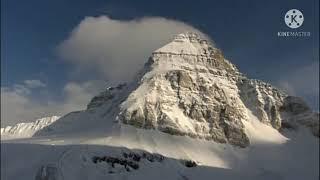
{"points": [[56, 55]]}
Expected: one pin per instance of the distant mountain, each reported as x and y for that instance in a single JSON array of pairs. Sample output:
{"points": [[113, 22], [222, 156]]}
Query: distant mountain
{"points": [[26, 130]]}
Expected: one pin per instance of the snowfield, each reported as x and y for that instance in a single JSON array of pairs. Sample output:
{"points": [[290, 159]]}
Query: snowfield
{"points": [[271, 155], [188, 115]]}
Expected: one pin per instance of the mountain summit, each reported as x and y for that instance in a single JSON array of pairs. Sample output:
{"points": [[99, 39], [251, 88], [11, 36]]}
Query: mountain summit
{"points": [[188, 88], [188, 114]]}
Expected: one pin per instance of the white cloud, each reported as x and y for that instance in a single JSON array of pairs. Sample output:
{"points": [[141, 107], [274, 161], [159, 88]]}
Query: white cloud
{"points": [[34, 84], [118, 49], [78, 95], [17, 105], [113, 49], [21, 89]]}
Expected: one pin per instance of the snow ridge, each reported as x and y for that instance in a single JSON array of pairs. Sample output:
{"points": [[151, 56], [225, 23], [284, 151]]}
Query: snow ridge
{"points": [[24, 130]]}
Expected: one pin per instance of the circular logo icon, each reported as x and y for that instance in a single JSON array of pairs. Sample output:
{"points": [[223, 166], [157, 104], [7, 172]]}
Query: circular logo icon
{"points": [[293, 18]]}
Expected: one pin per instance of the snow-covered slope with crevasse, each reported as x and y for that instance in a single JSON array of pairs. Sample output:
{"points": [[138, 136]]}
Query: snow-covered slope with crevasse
{"points": [[26, 130], [189, 114]]}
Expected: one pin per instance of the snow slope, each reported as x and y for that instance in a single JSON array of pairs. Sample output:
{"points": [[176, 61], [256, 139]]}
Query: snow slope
{"points": [[271, 155], [189, 114]]}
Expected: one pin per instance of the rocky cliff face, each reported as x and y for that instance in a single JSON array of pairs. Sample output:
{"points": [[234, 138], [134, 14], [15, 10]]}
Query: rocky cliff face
{"points": [[263, 100], [294, 112], [188, 88]]}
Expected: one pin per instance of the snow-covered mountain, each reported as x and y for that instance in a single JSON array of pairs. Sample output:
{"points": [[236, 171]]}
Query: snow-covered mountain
{"points": [[188, 114], [26, 130], [188, 88]]}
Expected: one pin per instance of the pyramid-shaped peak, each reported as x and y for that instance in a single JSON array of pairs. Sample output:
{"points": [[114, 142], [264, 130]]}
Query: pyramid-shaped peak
{"points": [[188, 36], [191, 37], [187, 43]]}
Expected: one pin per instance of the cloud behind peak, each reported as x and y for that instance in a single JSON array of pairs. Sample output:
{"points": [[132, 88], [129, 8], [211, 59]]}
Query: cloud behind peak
{"points": [[117, 49]]}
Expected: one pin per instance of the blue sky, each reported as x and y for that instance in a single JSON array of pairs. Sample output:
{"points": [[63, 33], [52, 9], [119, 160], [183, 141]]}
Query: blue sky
{"points": [[246, 31]]}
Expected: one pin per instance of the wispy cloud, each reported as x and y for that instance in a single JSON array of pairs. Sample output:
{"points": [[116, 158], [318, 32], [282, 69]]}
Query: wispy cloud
{"points": [[17, 104], [118, 49], [115, 49], [34, 83]]}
